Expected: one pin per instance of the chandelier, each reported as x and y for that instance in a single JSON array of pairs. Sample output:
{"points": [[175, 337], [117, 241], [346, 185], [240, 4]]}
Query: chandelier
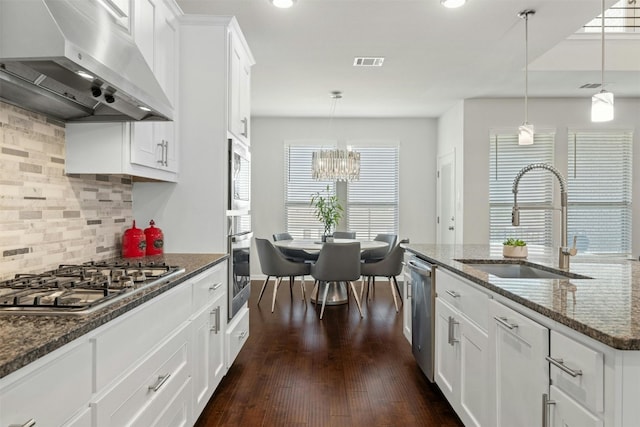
{"points": [[336, 165]]}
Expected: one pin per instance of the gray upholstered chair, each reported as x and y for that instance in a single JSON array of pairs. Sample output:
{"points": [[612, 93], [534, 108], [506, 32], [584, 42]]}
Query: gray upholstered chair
{"points": [[344, 234], [274, 263], [295, 255], [337, 262], [373, 255], [389, 267]]}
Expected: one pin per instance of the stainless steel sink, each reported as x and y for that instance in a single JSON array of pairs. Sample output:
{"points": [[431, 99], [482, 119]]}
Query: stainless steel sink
{"points": [[511, 269]]}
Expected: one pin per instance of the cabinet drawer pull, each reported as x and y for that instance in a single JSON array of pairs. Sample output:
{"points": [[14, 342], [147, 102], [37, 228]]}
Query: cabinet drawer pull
{"points": [[215, 287], [453, 294], [30, 423], [504, 322], [452, 323], [245, 124], [161, 380], [545, 409], [216, 328], [161, 145], [560, 364], [242, 335]]}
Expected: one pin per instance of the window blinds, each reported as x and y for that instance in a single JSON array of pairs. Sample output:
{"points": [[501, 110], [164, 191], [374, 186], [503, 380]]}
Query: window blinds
{"points": [[536, 187], [372, 202], [299, 187], [600, 176]]}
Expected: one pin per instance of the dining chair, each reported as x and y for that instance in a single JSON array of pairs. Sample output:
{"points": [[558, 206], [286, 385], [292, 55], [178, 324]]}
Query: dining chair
{"points": [[273, 263], [295, 255], [344, 234], [390, 266], [373, 255], [337, 262]]}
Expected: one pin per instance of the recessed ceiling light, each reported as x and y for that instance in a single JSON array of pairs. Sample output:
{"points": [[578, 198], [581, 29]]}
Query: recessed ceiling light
{"points": [[451, 4], [84, 75], [283, 4]]}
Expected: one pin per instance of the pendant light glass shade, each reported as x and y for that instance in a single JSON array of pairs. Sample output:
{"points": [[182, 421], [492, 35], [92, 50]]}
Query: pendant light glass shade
{"points": [[602, 102], [525, 134], [602, 107]]}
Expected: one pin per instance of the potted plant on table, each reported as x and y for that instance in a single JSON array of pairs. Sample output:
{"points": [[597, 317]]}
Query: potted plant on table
{"points": [[514, 248], [328, 210]]}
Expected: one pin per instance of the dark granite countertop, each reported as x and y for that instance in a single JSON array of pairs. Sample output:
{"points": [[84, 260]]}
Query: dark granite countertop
{"points": [[26, 338], [605, 307]]}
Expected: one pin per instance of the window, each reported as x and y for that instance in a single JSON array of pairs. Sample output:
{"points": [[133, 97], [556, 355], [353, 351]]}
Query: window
{"points": [[507, 158], [372, 201], [371, 204], [299, 187], [599, 179]]}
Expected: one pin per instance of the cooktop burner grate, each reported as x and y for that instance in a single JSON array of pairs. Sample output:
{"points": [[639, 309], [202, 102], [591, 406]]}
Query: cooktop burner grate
{"points": [[79, 288]]}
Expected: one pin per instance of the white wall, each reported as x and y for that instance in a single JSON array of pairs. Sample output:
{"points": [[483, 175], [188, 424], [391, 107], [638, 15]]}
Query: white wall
{"points": [[418, 145], [451, 139], [482, 115]]}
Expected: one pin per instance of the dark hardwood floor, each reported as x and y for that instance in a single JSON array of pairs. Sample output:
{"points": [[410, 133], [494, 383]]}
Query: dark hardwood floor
{"points": [[297, 370]]}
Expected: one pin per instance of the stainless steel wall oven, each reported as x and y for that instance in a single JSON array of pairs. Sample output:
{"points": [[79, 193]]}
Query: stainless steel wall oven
{"points": [[239, 239]]}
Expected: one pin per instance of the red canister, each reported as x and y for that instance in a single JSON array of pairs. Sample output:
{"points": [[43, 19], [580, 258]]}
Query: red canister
{"points": [[155, 239], [133, 242]]}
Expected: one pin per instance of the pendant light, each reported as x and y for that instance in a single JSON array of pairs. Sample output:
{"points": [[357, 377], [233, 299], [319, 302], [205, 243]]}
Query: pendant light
{"points": [[602, 102], [525, 132]]}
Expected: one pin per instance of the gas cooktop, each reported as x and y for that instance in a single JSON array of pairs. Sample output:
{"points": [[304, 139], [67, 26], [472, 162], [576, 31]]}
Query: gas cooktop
{"points": [[80, 289]]}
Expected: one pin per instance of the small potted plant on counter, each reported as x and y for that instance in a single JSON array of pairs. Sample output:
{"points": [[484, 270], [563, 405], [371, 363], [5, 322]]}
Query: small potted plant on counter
{"points": [[514, 248], [328, 210]]}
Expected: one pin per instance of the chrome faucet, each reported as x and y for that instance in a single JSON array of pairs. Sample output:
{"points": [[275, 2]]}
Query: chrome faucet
{"points": [[564, 252]]}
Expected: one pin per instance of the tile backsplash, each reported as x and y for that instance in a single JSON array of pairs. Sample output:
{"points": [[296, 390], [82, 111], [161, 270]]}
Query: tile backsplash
{"points": [[48, 218]]}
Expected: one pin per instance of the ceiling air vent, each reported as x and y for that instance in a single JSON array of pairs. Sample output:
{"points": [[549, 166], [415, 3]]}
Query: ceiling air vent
{"points": [[590, 86], [363, 61]]}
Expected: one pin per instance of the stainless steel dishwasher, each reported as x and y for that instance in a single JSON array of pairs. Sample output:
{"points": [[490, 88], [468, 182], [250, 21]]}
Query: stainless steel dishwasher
{"points": [[423, 293]]}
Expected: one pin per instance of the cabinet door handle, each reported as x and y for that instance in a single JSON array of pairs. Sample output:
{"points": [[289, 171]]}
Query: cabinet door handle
{"points": [[161, 145], [245, 124], [560, 364], [545, 409], [30, 423], [166, 153], [215, 287], [409, 290], [161, 380], [452, 323], [216, 328], [242, 335], [505, 322], [453, 294]]}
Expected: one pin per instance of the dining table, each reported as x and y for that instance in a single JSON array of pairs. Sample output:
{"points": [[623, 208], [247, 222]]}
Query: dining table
{"points": [[338, 291]]}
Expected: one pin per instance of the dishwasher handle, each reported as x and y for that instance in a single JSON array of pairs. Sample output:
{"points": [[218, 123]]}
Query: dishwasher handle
{"points": [[425, 272]]}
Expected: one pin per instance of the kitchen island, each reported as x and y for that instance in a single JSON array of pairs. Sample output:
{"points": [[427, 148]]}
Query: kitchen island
{"points": [[571, 343], [26, 338]]}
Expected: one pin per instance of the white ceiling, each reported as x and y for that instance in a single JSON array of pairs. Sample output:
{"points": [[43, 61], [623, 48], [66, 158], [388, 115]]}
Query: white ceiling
{"points": [[433, 56]]}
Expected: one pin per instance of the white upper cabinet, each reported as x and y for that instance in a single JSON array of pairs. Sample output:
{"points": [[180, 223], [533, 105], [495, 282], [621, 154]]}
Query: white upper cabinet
{"points": [[240, 62], [145, 150]]}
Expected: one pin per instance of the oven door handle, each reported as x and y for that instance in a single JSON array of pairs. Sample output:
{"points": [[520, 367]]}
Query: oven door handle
{"points": [[242, 237]]}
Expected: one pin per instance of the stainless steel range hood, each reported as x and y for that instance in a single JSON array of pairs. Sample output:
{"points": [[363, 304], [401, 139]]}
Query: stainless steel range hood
{"points": [[45, 44]]}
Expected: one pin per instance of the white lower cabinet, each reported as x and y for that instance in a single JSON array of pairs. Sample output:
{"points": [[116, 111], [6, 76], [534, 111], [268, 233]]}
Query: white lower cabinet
{"points": [[236, 335], [461, 364], [84, 419], [149, 387], [521, 373], [51, 391], [566, 412], [208, 351]]}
